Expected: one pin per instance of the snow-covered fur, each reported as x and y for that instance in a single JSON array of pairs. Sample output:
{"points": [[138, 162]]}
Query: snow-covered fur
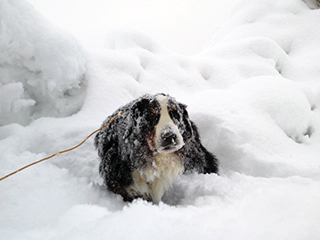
{"points": [[152, 142]]}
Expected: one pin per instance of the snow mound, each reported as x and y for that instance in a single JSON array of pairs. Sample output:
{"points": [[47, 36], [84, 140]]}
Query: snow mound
{"points": [[42, 69], [281, 33]]}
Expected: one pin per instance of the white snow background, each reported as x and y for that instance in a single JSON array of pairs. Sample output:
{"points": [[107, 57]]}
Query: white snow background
{"points": [[254, 93]]}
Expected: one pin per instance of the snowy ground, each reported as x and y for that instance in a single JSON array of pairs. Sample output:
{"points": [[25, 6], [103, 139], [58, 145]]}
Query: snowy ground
{"points": [[254, 93]]}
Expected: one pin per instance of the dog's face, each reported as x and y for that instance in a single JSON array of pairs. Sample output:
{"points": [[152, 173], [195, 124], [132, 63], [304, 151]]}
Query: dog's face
{"points": [[163, 121]]}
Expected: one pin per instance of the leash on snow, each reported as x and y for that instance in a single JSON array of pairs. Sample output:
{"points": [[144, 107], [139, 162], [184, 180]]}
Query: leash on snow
{"points": [[64, 151]]}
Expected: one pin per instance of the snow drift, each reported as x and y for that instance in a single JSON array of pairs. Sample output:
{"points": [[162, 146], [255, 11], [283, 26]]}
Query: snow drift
{"points": [[254, 93], [41, 68]]}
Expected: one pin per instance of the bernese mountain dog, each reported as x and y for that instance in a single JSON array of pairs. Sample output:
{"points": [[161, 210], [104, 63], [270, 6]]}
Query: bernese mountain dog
{"points": [[148, 145]]}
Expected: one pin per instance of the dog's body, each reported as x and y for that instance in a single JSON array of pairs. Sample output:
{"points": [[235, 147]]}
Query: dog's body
{"points": [[150, 144]]}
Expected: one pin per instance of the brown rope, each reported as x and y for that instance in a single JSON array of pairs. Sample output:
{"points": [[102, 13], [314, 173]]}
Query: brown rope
{"points": [[64, 151]]}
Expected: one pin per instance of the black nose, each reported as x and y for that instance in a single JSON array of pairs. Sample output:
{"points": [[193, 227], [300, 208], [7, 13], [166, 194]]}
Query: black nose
{"points": [[168, 139]]}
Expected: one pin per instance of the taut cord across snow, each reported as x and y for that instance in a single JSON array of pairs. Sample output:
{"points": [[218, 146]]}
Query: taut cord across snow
{"points": [[64, 151]]}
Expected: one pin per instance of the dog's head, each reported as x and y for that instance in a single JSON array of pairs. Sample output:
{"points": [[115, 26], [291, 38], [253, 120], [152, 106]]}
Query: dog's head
{"points": [[163, 122]]}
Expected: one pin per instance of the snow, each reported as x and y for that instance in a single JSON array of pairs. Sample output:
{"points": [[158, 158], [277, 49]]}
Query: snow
{"points": [[163, 20], [254, 94], [41, 66]]}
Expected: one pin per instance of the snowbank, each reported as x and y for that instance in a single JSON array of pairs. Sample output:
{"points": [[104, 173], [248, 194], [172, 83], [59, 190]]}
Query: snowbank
{"points": [[42, 69], [254, 94]]}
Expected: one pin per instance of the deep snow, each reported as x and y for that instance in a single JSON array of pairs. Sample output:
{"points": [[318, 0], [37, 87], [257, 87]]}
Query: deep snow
{"points": [[42, 68], [254, 93]]}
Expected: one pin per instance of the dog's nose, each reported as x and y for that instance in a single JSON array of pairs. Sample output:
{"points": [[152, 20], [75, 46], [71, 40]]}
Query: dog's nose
{"points": [[168, 139]]}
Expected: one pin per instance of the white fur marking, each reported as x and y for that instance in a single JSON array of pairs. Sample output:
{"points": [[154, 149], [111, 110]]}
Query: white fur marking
{"points": [[166, 124], [154, 180]]}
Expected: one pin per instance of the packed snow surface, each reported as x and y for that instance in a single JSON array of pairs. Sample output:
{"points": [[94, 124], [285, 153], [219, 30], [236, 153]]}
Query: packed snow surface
{"points": [[254, 93]]}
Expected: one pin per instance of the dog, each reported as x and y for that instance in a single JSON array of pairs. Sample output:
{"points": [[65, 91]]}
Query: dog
{"points": [[148, 145]]}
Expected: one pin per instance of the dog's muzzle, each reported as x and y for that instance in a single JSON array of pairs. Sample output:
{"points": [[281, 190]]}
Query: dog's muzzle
{"points": [[170, 140]]}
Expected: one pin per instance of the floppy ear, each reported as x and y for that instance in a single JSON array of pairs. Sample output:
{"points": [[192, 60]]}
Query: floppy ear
{"points": [[115, 172], [211, 162], [198, 158]]}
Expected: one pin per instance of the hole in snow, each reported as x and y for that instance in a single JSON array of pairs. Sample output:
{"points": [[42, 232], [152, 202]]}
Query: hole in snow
{"points": [[309, 131], [303, 138]]}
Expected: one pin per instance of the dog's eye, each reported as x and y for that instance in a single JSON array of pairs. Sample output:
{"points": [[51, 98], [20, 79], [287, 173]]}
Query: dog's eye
{"points": [[155, 111], [173, 110], [153, 114], [173, 107]]}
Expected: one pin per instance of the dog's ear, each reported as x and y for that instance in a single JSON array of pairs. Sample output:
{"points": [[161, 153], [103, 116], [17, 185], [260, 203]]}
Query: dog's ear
{"points": [[211, 162], [113, 169], [199, 159]]}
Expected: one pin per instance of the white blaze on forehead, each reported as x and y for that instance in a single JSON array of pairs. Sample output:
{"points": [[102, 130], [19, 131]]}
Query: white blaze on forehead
{"points": [[165, 118], [166, 124]]}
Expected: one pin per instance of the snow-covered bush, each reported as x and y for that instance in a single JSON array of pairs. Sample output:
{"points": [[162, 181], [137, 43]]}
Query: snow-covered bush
{"points": [[41, 68]]}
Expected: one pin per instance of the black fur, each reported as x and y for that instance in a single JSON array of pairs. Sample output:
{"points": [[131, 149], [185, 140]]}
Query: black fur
{"points": [[123, 145]]}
